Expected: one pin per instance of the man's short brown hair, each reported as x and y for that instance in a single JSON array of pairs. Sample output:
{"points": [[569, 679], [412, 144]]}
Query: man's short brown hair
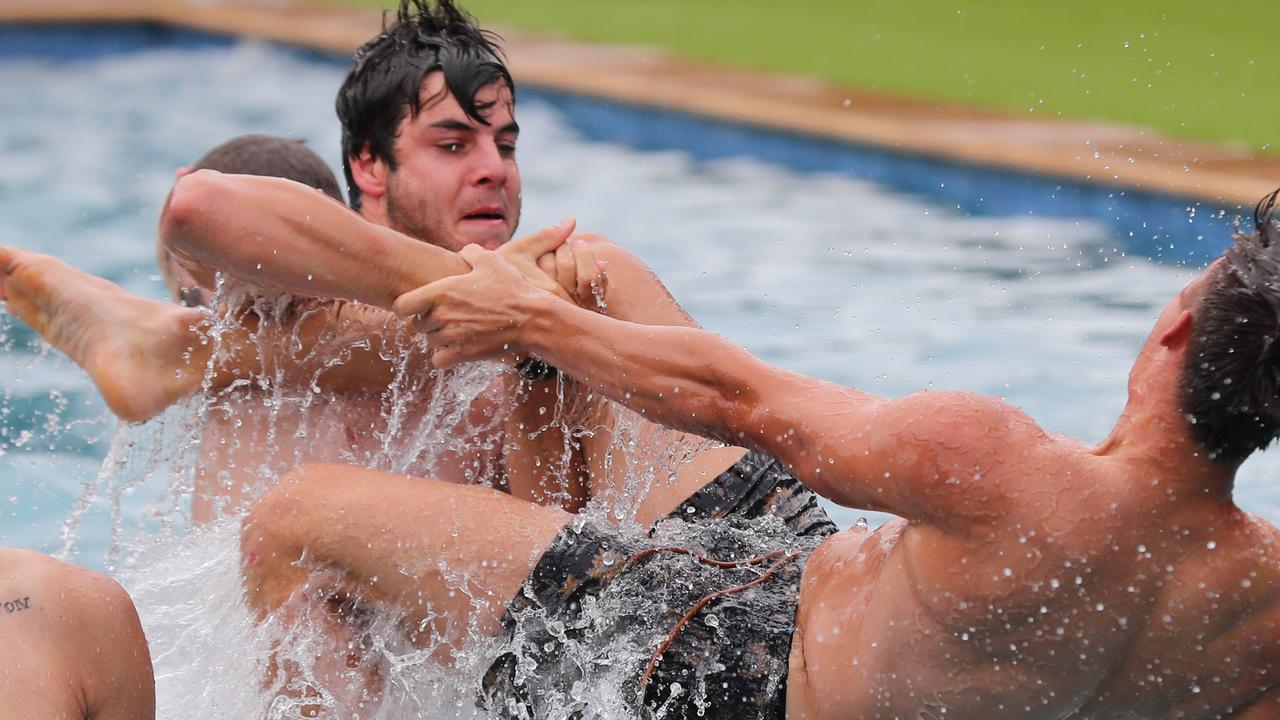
{"points": [[272, 156], [1230, 382]]}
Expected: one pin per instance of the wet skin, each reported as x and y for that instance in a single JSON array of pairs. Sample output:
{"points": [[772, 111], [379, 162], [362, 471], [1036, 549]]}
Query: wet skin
{"points": [[456, 180], [73, 646], [1031, 577]]}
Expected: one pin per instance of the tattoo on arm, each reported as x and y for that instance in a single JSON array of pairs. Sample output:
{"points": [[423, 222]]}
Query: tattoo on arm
{"points": [[14, 606]]}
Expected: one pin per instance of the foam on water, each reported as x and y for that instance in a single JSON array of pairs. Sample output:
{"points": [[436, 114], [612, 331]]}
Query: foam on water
{"points": [[827, 275]]}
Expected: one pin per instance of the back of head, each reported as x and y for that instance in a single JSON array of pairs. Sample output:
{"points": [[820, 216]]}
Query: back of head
{"points": [[272, 157], [384, 85], [264, 155], [1231, 380]]}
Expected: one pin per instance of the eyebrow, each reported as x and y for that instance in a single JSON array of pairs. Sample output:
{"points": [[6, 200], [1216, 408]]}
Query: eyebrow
{"points": [[452, 124]]}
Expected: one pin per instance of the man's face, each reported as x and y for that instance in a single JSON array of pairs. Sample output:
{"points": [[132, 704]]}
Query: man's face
{"points": [[456, 181]]}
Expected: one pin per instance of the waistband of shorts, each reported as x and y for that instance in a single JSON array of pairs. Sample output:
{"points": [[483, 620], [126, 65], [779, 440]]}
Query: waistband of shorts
{"points": [[755, 486]]}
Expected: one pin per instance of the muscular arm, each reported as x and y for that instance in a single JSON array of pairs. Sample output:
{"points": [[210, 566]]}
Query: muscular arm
{"points": [[923, 457], [282, 234]]}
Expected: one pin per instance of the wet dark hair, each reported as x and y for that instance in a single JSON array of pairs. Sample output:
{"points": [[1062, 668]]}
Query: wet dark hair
{"points": [[272, 156], [385, 83], [1230, 382]]}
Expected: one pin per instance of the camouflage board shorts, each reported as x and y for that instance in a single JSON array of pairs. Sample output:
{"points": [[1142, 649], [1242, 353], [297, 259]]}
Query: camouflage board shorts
{"points": [[613, 625]]}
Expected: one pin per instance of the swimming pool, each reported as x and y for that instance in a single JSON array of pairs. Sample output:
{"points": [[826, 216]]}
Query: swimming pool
{"points": [[814, 266], [813, 269]]}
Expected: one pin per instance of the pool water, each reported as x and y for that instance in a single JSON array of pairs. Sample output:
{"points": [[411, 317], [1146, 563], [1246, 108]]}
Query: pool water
{"points": [[821, 272]]}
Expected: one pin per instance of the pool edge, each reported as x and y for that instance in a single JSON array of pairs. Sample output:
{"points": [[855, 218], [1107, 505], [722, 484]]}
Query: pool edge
{"points": [[1103, 154]]}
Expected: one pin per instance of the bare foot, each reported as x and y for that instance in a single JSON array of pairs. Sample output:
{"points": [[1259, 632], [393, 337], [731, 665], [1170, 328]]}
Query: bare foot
{"points": [[143, 355]]}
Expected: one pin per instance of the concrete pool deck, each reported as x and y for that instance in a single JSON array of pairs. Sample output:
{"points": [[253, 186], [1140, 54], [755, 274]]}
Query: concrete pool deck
{"points": [[1113, 155]]}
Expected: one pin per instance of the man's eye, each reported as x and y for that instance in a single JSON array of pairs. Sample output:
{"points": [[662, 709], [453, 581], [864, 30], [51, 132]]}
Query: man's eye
{"points": [[507, 148], [451, 147]]}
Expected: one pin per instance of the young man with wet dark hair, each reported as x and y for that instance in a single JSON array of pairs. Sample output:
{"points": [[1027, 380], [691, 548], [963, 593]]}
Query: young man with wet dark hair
{"points": [[384, 87], [1231, 383]]}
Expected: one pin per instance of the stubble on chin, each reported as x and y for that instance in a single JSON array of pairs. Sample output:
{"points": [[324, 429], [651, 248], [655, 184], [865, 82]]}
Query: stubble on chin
{"points": [[407, 213]]}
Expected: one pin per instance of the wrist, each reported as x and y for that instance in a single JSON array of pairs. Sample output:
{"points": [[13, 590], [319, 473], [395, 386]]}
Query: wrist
{"points": [[539, 309], [419, 263]]}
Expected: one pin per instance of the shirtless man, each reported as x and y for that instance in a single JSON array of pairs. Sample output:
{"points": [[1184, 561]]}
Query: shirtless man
{"points": [[1030, 577], [78, 649], [458, 154], [429, 140], [73, 647]]}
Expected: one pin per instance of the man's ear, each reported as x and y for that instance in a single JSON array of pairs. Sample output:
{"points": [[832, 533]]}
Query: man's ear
{"points": [[369, 173], [1179, 333]]}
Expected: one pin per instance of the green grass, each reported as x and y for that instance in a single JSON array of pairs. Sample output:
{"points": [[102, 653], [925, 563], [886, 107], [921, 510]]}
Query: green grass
{"points": [[1192, 68]]}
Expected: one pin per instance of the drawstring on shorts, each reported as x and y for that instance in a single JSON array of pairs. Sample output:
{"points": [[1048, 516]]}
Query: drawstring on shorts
{"points": [[786, 556]]}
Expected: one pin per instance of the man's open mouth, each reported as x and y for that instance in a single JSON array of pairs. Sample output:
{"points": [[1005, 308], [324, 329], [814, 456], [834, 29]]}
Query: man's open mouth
{"points": [[485, 215]]}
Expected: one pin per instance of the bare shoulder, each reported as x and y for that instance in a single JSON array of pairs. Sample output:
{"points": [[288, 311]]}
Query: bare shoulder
{"points": [[635, 293], [967, 424], [962, 405], [76, 628], [36, 569], [980, 459], [66, 600]]}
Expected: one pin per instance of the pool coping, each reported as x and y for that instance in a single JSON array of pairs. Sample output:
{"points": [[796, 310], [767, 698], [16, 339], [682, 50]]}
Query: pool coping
{"points": [[1114, 155]]}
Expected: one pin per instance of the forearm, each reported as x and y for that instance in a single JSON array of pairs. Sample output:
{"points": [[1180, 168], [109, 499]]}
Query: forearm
{"points": [[282, 234], [681, 377]]}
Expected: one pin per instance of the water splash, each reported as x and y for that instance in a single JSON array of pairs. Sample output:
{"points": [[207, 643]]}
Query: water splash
{"points": [[185, 578]]}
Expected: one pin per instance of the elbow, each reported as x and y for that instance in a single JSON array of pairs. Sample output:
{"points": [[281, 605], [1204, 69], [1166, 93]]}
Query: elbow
{"points": [[738, 410], [188, 209]]}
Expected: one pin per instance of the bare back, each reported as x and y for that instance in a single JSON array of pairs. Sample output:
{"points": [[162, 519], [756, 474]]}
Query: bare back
{"points": [[1099, 591]]}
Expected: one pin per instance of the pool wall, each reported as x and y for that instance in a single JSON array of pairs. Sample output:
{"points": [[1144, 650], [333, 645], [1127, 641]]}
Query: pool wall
{"points": [[1162, 198]]}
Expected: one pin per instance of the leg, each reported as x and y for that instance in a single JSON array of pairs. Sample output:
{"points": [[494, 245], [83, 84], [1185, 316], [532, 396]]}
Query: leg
{"points": [[136, 350], [144, 355], [448, 558]]}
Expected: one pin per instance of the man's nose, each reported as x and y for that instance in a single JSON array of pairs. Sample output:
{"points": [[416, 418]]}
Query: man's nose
{"points": [[491, 167]]}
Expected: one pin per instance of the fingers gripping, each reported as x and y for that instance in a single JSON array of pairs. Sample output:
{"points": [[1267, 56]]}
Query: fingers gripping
{"points": [[527, 254], [592, 280], [546, 240], [477, 256], [421, 300]]}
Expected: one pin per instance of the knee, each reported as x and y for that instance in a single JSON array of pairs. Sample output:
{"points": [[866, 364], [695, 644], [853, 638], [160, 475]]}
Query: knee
{"points": [[273, 535]]}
